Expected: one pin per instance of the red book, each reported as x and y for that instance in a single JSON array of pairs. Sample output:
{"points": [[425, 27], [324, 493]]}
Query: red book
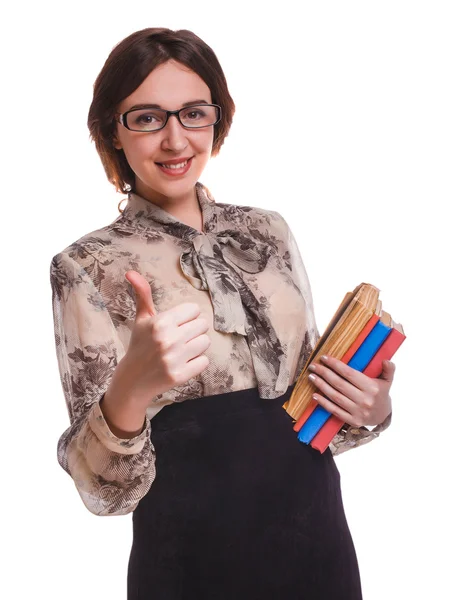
{"points": [[346, 358], [328, 431]]}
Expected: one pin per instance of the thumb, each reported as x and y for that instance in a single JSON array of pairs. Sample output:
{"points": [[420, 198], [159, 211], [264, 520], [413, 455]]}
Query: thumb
{"points": [[144, 300], [388, 370]]}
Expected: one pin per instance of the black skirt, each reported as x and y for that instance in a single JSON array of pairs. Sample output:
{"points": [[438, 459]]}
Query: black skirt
{"points": [[240, 509]]}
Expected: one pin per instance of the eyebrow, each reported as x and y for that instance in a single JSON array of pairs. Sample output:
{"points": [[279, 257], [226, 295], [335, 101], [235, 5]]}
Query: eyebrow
{"points": [[158, 106]]}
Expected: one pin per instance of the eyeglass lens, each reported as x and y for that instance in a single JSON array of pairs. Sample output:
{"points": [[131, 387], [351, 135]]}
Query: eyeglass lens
{"points": [[151, 119]]}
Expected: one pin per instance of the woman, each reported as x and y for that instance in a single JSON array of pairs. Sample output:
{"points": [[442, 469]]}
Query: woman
{"points": [[181, 328]]}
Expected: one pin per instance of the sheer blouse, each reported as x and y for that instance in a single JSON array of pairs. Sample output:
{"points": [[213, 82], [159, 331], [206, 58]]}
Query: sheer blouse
{"points": [[244, 270]]}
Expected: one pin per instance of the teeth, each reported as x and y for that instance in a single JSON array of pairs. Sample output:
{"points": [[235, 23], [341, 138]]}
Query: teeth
{"points": [[179, 166]]}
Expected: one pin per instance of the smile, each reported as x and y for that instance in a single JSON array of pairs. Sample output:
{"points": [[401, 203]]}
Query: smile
{"points": [[175, 169]]}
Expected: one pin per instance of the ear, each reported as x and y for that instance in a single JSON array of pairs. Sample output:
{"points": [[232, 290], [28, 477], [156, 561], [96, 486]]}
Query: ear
{"points": [[115, 142]]}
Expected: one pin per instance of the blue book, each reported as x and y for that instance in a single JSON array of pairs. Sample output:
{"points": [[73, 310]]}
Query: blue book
{"points": [[359, 361], [313, 424]]}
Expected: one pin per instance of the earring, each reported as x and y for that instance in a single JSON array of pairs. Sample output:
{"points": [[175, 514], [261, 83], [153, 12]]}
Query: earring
{"points": [[118, 206]]}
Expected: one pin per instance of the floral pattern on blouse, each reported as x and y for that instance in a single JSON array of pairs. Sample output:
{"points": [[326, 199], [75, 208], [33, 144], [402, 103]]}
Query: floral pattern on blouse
{"points": [[243, 269]]}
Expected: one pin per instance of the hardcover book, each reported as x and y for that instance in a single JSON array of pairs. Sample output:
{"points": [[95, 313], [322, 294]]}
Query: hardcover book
{"points": [[349, 320], [360, 334], [359, 361]]}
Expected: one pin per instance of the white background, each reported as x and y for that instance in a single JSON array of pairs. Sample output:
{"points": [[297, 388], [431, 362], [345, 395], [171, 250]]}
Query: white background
{"points": [[361, 164]]}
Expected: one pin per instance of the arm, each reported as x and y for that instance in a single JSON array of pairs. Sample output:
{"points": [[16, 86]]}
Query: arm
{"points": [[349, 436], [111, 473]]}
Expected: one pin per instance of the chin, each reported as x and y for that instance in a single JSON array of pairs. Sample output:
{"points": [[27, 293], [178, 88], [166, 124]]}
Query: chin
{"points": [[150, 188]]}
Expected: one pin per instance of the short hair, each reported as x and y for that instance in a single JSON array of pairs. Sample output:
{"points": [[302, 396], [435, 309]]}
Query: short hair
{"points": [[126, 67]]}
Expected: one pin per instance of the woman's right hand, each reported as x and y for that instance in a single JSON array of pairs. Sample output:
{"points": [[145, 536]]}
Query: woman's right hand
{"points": [[165, 350]]}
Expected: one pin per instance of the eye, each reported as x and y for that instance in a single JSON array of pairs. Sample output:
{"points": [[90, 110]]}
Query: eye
{"points": [[145, 118], [193, 114]]}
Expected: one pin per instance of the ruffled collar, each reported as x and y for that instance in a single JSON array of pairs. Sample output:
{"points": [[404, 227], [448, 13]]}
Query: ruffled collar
{"points": [[139, 209]]}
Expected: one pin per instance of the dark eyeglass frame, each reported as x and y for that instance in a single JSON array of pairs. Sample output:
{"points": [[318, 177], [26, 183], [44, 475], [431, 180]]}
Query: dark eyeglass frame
{"points": [[123, 121]]}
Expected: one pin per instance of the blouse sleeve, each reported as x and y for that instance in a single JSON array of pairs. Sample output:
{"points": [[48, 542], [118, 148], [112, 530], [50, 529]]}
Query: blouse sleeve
{"points": [[348, 437], [110, 474]]}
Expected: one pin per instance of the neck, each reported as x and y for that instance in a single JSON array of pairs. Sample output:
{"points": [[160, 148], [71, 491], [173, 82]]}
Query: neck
{"points": [[184, 207]]}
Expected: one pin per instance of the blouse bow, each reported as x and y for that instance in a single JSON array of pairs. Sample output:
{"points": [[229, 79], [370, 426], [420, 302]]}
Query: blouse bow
{"points": [[213, 263], [206, 266]]}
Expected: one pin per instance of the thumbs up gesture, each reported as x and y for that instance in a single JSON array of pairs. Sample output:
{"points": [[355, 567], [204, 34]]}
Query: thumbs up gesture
{"points": [[166, 349]]}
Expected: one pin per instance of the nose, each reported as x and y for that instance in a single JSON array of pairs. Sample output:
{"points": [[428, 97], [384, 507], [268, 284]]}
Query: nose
{"points": [[174, 135]]}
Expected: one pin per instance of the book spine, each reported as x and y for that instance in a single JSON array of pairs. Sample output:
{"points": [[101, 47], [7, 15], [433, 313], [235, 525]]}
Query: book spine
{"points": [[314, 423], [312, 426], [371, 345], [306, 415], [333, 425], [361, 338]]}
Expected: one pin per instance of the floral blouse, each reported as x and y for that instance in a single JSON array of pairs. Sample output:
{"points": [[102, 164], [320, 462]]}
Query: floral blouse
{"points": [[245, 272]]}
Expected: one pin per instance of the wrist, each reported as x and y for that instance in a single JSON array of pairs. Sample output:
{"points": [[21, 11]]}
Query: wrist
{"points": [[123, 417], [123, 411]]}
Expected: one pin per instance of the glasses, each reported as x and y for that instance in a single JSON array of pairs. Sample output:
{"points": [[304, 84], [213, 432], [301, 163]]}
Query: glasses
{"points": [[154, 119]]}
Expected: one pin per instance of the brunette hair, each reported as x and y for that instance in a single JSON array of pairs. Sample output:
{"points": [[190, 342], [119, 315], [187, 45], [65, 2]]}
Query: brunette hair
{"points": [[126, 67]]}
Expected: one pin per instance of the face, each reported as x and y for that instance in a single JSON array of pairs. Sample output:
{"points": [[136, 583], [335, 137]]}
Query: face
{"points": [[170, 86]]}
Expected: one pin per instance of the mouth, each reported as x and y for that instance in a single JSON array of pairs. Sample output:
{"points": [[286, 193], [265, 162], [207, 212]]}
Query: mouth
{"points": [[174, 168]]}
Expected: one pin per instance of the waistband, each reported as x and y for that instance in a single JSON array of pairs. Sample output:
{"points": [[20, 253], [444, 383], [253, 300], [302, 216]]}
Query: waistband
{"points": [[201, 411]]}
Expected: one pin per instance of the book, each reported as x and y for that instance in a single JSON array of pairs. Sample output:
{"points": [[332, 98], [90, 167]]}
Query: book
{"points": [[346, 358], [359, 361], [333, 425], [350, 319]]}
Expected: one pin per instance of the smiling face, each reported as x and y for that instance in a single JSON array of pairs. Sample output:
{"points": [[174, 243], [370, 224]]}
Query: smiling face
{"points": [[170, 86]]}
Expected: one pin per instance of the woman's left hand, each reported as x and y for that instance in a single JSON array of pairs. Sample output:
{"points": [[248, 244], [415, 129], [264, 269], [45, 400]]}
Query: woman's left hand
{"points": [[352, 396]]}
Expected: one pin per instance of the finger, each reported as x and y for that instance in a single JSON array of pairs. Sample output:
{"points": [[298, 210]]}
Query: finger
{"points": [[357, 378], [388, 370], [334, 409], [334, 395], [180, 315], [144, 301], [195, 366], [192, 329], [195, 347], [185, 312], [338, 383]]}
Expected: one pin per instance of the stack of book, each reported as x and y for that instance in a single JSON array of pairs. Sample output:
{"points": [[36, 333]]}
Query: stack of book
{"points": [[361, 334]]}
